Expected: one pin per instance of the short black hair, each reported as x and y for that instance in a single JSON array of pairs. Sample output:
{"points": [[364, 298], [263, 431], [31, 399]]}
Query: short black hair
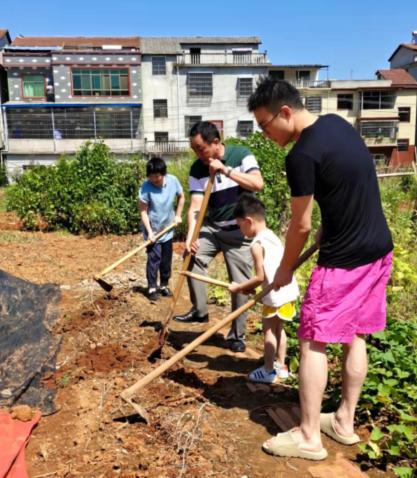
{"points": [[272, 94], [156, 165], [249, 206], [206, 129]]}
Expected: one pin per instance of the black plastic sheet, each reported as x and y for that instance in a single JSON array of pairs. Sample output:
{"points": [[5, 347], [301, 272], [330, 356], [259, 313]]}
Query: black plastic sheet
{"points": [[28, 349]]}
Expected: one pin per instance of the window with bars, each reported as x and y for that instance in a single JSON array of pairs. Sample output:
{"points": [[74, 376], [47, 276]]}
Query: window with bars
{"points": [[189, 122], [73, 123], [159, 66], [160, 108], [161, 136], [404, 113], [242, 56], [244, 128], [244, 87], [378, 100], [33, 86], [402, 144], [378, 129], [100, 82], [345, 101], [195, 54], [199, 87], [313, 104]]}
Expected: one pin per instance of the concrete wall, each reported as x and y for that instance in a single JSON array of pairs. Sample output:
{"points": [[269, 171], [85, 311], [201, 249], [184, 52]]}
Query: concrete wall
{"points": [[15, 163], [403, 57], [49, 146], [47, 152]]}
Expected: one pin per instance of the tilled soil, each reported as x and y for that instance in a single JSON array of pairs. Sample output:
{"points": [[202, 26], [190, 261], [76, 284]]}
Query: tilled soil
{"points": [[204, 420]]}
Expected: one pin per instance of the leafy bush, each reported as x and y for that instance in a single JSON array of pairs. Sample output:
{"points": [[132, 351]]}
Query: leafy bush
{"points": [[275, 194], [180, 167], [4, 181], [92, 192]]}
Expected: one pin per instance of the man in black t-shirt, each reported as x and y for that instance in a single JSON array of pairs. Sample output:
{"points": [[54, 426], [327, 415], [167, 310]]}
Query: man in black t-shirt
{"points": [[345, 299]]}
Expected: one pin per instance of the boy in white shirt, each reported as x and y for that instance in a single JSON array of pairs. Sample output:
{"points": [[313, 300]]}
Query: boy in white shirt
{"points": [[278, 305]]}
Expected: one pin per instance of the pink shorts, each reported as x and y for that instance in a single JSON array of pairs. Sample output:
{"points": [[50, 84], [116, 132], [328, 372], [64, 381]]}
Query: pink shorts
{"points": [[340, 303]]}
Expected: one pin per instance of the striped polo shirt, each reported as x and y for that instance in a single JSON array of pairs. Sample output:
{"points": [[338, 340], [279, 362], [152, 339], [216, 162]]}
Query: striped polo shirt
{"points": [[225, 193]]}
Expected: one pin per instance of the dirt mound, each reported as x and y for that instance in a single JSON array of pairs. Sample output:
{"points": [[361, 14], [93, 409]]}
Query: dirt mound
{"points": [[107, 358]]}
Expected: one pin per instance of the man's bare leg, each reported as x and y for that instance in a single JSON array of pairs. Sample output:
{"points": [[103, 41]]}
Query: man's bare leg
{"points": [[355, 367], [313, 381]]}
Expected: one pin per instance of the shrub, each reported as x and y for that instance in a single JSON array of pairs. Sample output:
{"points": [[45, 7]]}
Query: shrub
{"points": [[4, 181], [275, 193], [180, 167], [92, 192]]}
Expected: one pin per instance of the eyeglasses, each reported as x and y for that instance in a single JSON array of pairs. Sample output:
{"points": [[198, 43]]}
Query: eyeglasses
{"points": [[263, 126]]}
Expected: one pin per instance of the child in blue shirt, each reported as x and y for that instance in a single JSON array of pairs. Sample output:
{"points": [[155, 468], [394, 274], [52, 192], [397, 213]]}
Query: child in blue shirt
{"points": [[156, 202]]}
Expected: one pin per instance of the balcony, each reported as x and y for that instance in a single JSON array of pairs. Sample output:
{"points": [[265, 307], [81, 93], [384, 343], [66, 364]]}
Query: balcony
{"points": [[379, 133], [227, 58], [304, 83], [166, 147]]}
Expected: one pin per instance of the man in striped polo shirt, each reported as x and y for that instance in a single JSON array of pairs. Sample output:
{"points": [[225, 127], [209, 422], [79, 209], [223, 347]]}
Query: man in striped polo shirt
{"points": [[236, 171]]}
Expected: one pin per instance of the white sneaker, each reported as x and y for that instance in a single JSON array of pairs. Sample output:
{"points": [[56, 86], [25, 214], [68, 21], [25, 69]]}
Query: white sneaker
{"points": [[282, 370], [260, 375]]}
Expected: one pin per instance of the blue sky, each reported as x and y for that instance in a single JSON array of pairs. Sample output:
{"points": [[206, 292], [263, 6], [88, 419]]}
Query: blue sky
{"points": [[354, 38]]}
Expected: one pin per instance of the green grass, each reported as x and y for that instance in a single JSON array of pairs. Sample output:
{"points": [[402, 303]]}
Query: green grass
{"points": [[3, 200]]}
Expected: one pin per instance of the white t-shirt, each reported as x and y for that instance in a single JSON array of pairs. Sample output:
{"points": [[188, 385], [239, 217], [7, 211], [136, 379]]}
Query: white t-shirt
{"points": [[273, 252]]}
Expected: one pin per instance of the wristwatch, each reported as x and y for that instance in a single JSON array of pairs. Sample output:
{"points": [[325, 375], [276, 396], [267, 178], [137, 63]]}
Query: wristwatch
{"points": [[228, 171]]}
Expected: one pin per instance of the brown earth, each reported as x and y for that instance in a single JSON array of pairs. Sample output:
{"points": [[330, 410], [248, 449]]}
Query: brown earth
{"points": [[204, 420]]}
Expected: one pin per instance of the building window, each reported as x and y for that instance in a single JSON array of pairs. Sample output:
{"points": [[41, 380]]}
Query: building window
{"points": [[160, 108], [73, 123], [244, 87], [303, 77], [277, 74], [404, 114], [189, 122], [313, 104], [378, 100], [103, 82], [161, 137], [34, 86], [195, 54], [244, 128], [378, 129], [402, 144], [242, 56], [159, 66], [345, 101], [199, 87]]}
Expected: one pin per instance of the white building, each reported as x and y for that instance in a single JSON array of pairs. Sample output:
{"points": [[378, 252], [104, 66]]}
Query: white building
{"points": [[185, 80]]}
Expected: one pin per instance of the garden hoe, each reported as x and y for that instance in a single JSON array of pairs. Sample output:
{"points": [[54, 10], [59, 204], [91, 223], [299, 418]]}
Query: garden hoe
{"points": [[207, 280], [99, 277], [128, 394], [156, 350]]}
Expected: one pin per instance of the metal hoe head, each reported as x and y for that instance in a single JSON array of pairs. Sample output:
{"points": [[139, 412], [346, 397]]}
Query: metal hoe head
{"points": [[138, 408], [103, 284]]}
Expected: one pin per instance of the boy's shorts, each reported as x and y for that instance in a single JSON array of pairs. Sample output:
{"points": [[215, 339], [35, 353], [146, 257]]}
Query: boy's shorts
{"points": [[284, 312], [342, 303]]}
